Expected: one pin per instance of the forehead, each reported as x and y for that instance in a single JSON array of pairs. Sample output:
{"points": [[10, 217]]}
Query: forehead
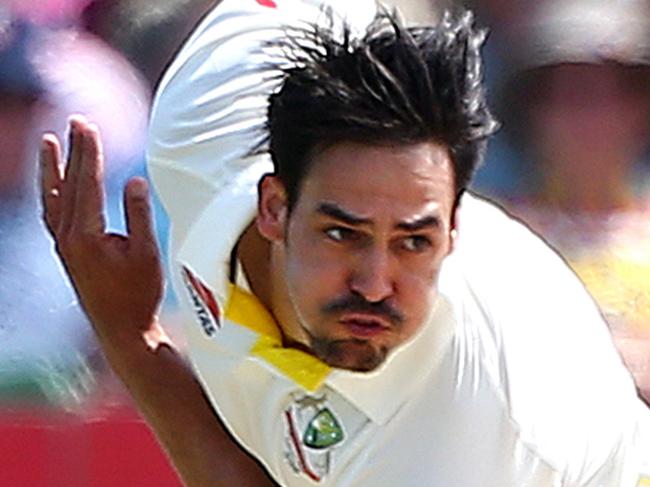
{"points": [[396, 181]]}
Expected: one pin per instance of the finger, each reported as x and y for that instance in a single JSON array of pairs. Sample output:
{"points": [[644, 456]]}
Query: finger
{"points": [[89, 201], [50, 181], [139, 218], [69, 186]]}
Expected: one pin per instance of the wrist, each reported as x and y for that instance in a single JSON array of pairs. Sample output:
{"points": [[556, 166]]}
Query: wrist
{"points": [[134, 344]]}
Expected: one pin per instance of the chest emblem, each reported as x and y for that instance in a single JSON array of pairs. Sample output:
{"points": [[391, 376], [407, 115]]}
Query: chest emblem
{"points": [[323, 431], [312, 433]]}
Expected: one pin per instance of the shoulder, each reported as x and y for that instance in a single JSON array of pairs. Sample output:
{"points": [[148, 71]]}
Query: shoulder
{"points": [[511, 267], [209, 112], [228, 67], [543, 337]]}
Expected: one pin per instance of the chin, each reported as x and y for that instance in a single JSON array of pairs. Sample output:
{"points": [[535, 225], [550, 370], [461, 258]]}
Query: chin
{"points": [[351, 354]]}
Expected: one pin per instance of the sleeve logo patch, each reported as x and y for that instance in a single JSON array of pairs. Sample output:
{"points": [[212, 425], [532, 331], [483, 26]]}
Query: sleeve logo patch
{"points": [[267, 3], [204, 302]]}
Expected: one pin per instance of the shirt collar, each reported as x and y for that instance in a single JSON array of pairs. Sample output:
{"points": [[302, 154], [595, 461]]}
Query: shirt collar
{"points": [[378, 394], [206, 250], [381, 393]]}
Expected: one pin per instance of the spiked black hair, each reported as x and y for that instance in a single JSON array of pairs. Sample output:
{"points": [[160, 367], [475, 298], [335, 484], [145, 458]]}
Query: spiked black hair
{"points": [[394, 85]]}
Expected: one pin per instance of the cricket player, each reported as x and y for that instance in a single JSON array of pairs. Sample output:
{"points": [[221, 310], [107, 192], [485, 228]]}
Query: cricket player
{"points": [[354, 317]]}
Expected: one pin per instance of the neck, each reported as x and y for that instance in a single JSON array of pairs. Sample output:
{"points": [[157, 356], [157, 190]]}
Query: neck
{"points": [[264, 271], [253, 252]]}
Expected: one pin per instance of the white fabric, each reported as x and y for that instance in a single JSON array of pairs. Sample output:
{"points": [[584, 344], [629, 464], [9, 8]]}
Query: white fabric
{"points": [[210, 110], [512, 382]]}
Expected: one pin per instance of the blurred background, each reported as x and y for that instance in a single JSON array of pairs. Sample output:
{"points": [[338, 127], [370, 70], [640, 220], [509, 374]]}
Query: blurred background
{"points": [[569, 79]]}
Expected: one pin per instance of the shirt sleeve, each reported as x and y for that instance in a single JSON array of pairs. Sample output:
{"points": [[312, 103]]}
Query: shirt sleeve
{"points": [[565, 384], [209, 112]]}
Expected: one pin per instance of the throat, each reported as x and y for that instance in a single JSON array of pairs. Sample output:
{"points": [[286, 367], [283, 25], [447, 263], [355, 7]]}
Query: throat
{"points": [[263, 270], [253, 251]]}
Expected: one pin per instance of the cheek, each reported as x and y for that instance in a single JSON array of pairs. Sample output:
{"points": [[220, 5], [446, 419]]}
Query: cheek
{"points": [[309, 268], [417, 292], [314, 274]]}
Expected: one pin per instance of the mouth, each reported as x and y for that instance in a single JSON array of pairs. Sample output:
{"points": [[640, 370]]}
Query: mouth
{"points": [[364, 325]]}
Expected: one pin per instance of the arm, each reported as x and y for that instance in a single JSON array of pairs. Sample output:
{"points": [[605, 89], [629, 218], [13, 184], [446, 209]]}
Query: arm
{"points": [[567, 388], [174, 404], [118, 279]]}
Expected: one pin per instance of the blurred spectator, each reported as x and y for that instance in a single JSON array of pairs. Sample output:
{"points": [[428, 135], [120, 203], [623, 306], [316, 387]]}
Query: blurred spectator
{"points": [[147, 33], [579, 110], [46, 12], [506, 18], [501, 173], [45, 343]]}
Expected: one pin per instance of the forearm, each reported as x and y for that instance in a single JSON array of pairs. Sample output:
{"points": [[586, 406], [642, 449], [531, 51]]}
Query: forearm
{"points": [[176, 408]]}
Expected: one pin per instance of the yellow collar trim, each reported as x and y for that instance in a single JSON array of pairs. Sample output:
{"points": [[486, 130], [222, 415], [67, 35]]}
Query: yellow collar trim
{"points": [[246, 310]]}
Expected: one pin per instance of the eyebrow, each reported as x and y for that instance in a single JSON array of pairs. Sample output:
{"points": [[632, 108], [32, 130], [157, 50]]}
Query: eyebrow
{"points": [[338, 213], [429, 221], [334, 211]]}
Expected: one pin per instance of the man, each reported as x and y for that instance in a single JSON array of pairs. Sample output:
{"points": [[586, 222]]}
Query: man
{"points": [[360, 320]]}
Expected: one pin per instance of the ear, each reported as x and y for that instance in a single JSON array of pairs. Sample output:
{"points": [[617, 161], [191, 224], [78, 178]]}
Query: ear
{"points": [[272, 208]]}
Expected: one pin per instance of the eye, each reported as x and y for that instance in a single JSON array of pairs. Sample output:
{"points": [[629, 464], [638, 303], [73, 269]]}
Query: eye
{"points": [[416, 243], [341, 234]]}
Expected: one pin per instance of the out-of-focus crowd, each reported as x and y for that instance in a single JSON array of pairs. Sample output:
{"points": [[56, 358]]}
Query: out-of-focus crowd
{"points": [[100, 58], [571, 84], [569, 79]]}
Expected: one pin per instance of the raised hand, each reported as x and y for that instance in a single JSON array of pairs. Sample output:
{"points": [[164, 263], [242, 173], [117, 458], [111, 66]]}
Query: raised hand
{"points": [[118, 278]]}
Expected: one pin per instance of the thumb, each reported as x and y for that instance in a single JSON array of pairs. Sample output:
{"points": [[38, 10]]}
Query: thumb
{"points": [[139, 218]]}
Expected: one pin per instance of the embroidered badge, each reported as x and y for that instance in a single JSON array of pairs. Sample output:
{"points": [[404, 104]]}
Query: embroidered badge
{"points": [[205, 304], [312, 433], [323, 431]]}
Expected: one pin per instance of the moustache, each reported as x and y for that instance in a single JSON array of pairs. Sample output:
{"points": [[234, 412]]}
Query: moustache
{"points": [[355, 303]]}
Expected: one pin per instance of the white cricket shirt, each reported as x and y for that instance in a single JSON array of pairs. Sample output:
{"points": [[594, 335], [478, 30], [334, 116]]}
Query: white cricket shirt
{"points": [[513, 381]]}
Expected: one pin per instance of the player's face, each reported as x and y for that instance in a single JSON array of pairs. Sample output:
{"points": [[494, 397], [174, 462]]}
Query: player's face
{"points": [[363, 246]]}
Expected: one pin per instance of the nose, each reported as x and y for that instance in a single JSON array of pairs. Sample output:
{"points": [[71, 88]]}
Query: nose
{"points": [[373, 277]]}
